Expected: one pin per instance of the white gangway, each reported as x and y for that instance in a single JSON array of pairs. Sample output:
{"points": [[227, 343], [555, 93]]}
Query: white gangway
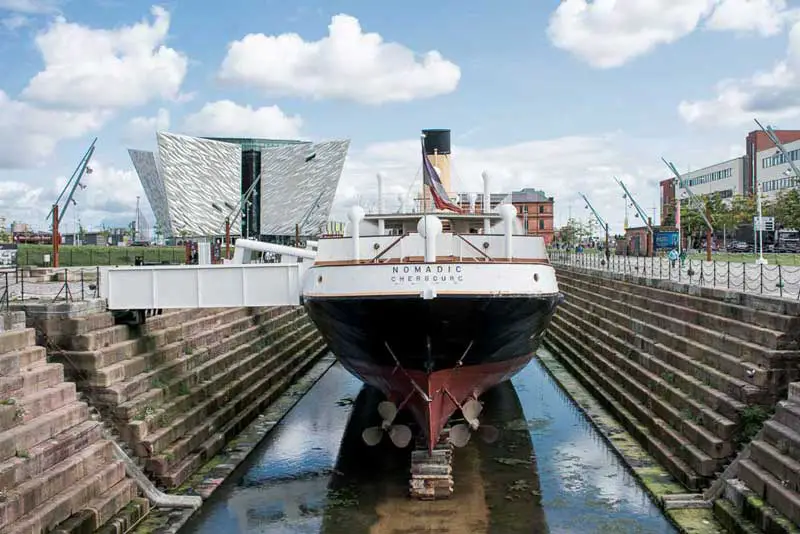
{"points": [[238, 283]]}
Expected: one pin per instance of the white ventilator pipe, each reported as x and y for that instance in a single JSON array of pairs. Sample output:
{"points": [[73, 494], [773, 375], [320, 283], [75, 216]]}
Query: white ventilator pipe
{"points": [[356, 215], [508, 214], [429, 227], [487, 223], [381, 177]]}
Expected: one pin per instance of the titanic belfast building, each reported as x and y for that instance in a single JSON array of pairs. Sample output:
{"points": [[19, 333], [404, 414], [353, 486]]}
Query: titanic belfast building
{"points": [[194, 184]]}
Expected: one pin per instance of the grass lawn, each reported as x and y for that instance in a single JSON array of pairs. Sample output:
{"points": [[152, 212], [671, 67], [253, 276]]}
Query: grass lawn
{"points": [[90, 255]]}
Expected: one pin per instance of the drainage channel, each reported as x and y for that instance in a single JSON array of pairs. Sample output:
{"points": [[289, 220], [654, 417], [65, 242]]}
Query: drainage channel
{"points": [[550, 471]]}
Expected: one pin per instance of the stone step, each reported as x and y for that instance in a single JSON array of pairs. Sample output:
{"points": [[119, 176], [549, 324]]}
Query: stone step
{"points": [[45, 455], [128, 369], [738, 339], [253, 368], [98, 339], [200, 384], [47, 400], [12, 363], [794, 392], [253, 403], [76, 326], [713, 388], [641, 385], [160, 464], [19, 440], [665, 385], [13, 340], [781, 466], [788, 414], [59, 508], [783, 438], [142, 390], [102, 509], [28, 382], [764, 312], [770, 489], [658, 449], [25, 497], [726, 364], [172, 318], [741, 511], [707, 322]]}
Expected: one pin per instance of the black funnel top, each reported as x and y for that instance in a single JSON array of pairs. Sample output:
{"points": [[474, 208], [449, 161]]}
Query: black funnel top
{"points": [[437, 141]]}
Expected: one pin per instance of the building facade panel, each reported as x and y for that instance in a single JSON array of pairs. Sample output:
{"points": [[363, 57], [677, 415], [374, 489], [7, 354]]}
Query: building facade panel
{"points": [[758, 141], [298, 184], [146, 166], [536, 213], [773, 169], [724, 179], [199, 174]]}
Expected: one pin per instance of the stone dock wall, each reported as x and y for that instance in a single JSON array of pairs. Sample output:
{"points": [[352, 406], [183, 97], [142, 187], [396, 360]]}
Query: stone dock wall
{"points": [[172, 392], [693, 373]]}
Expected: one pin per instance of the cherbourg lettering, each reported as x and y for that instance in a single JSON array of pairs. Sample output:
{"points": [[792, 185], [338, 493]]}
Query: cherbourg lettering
{"points": [[409, 274]]}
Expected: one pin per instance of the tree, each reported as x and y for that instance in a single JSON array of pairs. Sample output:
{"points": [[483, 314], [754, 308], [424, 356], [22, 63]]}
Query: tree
{"points": [[787, 209]]}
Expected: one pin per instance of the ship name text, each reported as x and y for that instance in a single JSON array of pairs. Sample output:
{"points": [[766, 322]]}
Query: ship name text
{"points": [[440, 274]]}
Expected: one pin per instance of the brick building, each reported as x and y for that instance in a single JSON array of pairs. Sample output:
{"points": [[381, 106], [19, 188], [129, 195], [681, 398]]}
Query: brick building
{"points": [[535, 210]]}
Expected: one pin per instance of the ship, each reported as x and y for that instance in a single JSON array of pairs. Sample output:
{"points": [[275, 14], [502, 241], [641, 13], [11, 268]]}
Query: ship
{"points": [[432, 306]]}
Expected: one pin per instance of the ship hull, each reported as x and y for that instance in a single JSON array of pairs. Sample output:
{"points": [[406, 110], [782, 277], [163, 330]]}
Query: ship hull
{"points": [[432, 355]]}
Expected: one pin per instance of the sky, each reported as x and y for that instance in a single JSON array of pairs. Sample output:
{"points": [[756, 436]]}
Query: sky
{"points": [[556, 96]]}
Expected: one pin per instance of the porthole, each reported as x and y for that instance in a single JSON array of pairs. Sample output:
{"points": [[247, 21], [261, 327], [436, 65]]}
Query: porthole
{"points": [[535, 277]]}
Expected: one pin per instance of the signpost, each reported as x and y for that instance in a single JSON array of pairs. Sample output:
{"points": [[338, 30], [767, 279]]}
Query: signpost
{"points": [[8, 254]]}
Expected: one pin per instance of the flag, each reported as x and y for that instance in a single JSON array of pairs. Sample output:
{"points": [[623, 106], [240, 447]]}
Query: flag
{"points": [[431, 179]]}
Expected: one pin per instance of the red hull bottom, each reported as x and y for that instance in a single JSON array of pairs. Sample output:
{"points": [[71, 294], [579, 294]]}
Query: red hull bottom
{"points": [[445, 389]]}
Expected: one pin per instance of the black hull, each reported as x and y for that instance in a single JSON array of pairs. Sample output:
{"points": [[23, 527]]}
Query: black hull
{"points": [[431, 335]]}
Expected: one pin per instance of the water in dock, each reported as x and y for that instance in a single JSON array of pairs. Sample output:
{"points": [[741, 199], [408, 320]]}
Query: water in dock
{"points": [[550, 471]]}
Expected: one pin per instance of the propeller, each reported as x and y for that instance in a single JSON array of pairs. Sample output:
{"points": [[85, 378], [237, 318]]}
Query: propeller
{"points": [[399, 434], [460, 433]]}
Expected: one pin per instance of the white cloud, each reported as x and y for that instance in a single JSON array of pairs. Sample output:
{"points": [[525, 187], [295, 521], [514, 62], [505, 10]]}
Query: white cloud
{"points": [[773, 95], [30, 6], [224, 118], [347, 64], [610, 33], [109, 196], [127, 66], [14, 22], [30, 133], [766, 17], [142, 128]]}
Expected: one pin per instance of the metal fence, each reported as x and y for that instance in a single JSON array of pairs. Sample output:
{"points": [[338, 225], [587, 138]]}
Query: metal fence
{"points": [[70, 285], [780, 281]]}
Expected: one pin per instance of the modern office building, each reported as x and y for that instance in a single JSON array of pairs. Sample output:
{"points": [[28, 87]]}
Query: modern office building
{"points": [[762, 162], [774, 171], [725, 179], [194, 184]]}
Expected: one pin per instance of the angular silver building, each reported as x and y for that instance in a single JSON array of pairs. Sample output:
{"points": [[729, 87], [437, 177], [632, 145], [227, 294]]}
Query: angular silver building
{"points": [[194, 183], [298, 184]]}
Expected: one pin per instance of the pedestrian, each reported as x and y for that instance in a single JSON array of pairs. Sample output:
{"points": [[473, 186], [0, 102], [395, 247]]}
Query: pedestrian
{"points": [[673, 257]]}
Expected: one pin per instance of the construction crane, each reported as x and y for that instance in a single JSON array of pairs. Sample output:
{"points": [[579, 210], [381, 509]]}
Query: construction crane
{"points": [[57, 212]]}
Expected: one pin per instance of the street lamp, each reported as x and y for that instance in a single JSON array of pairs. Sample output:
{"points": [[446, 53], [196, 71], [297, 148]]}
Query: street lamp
{"points": [[761, 260], [227, 229]]}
